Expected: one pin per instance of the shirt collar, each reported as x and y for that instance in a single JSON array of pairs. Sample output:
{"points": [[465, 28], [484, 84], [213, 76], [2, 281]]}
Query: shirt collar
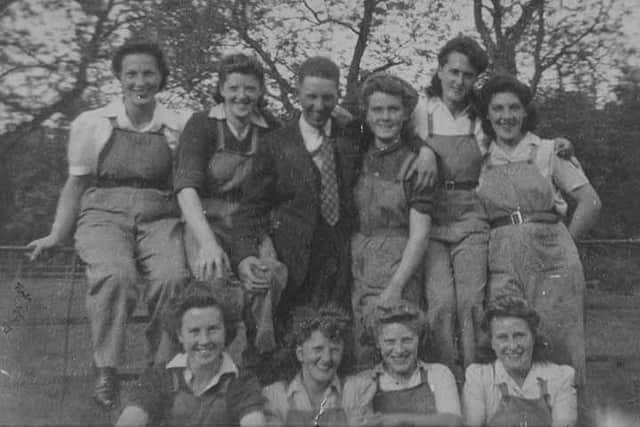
{"points": [[227, 367], [387, 149], [379, 368], [523, 149], [435, 103], [307, 129], [162, 116], [502, 376], [218, 112], [296, 386]]}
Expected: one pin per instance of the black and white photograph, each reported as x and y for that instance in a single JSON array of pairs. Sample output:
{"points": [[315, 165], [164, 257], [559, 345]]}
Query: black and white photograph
{"points": [[332, 213]]}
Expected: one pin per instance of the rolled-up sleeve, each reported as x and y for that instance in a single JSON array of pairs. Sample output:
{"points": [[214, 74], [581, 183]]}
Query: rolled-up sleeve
{"points": [[564, 405], [473, 397], [567, 176], [193, 154]]}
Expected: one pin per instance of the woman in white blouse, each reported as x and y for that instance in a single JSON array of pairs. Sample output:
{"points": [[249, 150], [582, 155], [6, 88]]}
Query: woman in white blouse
{"points": [[518, 387]]}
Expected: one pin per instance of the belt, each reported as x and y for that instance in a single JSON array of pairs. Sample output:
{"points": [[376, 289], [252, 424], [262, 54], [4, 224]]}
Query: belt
{"points": [[520, 218], [461, 185], [130, 182]]}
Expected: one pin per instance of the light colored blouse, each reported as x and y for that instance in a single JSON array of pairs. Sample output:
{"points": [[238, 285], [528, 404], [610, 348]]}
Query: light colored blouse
{"points": [[481, 394]]}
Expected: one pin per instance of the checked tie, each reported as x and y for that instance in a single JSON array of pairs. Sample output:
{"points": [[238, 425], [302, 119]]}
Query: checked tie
{"points": [[324, 158]]}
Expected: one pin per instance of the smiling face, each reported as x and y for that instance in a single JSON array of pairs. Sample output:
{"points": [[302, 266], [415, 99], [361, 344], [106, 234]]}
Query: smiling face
{"points": [[318, 97], [202, 335], [398, 346], [457, 77], [319, 358], [385, 116], [140, 79], [506, 114], [512, 341], [241, 93]]}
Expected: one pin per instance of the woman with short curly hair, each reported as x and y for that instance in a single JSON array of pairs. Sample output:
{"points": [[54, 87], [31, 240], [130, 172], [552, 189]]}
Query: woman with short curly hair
{"points": [[316, 345], [401, 390]]}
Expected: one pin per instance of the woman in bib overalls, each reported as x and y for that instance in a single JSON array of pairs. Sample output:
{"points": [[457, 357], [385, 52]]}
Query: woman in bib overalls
{"points": [[532, 253], [518, 387], [456, 261], [118, 195], [315, 349], [214, 158], [402, 390], [200, 386], [391, 234]]}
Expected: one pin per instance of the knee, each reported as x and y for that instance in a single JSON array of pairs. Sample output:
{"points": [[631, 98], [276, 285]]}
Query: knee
{"points": [[114, 277]]}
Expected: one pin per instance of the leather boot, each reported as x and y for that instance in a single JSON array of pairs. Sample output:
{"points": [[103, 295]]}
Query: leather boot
{"points": [[106, 390]]}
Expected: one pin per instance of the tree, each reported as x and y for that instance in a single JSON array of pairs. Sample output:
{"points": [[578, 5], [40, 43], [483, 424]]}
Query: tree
{"points": [[43, 77], [283, 33], [569, 37]]}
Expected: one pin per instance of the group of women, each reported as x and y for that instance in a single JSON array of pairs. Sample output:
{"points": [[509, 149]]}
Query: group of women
{"points": [[497, 208], [515, 384]]}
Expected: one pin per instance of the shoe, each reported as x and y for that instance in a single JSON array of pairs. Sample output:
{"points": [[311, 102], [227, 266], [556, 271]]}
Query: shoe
{"points": [[106, 390]]}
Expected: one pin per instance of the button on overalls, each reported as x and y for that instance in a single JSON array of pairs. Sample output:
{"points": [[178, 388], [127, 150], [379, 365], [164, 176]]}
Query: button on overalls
{"points": [[417, 400], [520, 412], [456, 260], [226, 171], [123, 231], [377, 248], [536, 261]]}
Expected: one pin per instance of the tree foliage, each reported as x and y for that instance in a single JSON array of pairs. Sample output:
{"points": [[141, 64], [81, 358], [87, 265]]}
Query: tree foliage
{"points": [[572, 38]]}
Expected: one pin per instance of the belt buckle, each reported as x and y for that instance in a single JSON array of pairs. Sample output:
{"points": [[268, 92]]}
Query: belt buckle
{"points": [[516, 218], [449, 185]]}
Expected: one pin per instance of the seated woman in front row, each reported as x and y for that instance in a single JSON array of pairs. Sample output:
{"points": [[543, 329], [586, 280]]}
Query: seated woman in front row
{"points": [[201, 386], [402, 390], [314, 395], [518, 387]]}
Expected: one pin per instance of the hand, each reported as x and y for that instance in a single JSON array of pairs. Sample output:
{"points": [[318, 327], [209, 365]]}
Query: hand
{"points": [[40, 245], [564, 148], [254, 275], [425, 169], [212, 262]]}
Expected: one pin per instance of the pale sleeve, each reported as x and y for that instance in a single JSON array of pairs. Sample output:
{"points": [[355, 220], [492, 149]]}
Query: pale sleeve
{"points": [[357, 397], [566, 175], [419, 118], [445, 390], [275, 407], [564, 404], [81, 149], [473, 397]]}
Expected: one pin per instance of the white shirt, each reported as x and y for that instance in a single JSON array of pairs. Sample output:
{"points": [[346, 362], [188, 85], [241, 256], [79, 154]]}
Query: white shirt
{"points": [[227, 367], [444, 122], [311, 136], [481, 395], [563, 174], [91, 130]]}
